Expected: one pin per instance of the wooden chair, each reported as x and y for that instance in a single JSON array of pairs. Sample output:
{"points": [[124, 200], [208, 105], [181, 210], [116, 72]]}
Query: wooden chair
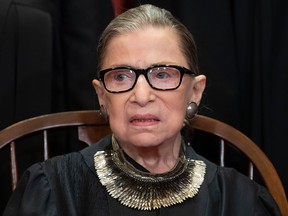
{"points": [[91, 127]]}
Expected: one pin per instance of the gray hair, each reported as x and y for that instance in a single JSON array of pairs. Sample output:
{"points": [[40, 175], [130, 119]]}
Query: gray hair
{"points": [[143, 16]]}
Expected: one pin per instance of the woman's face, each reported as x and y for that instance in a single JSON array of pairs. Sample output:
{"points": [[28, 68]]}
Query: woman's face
{"points": [[145, 117]]}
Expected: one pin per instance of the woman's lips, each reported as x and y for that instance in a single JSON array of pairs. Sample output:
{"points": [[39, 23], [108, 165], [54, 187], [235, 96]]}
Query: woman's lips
{"points": [[144, 120]]}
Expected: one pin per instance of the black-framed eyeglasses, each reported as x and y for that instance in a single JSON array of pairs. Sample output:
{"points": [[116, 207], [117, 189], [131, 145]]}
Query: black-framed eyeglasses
{"points": [[160, 77]]}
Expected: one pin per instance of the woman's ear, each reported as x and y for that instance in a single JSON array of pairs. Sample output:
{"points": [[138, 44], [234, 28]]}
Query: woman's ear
{"points": [[199, 84], [99, 91]]}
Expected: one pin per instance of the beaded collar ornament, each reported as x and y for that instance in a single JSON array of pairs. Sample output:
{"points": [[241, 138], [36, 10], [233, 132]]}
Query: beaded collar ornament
{"points": [[143, 190]]}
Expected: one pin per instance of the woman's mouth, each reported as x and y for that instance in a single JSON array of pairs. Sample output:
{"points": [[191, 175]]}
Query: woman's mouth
{"points": [[142, 120]]}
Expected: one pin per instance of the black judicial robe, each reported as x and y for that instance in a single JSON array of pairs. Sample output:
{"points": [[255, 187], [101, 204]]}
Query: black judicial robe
{"points": [[68, 185]]}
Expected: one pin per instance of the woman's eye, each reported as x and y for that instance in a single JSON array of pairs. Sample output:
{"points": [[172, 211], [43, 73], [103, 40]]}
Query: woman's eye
{"points": [[120, 77], [162, 75]]}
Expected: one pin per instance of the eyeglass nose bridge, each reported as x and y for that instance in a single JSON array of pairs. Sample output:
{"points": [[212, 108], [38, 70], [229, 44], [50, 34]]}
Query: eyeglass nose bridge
{"points": [[143, 72]]}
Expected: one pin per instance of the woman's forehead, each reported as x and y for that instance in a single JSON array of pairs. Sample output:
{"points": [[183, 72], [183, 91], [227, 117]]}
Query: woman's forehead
{"points": [[149, 46]]}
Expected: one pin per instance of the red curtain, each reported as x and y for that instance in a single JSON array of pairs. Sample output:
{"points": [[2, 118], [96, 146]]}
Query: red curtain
{"points": [[121, 6]]}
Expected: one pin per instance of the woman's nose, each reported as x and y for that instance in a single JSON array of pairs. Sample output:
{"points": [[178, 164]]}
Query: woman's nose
{"points": [[142, 91]]}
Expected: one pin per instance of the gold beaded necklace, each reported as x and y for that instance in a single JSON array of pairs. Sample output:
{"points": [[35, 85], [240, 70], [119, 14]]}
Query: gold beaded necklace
{"points": [[143, 190]]}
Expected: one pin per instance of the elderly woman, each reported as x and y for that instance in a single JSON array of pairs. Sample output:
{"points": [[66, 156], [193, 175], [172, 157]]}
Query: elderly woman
{"points": [[148, 84]]}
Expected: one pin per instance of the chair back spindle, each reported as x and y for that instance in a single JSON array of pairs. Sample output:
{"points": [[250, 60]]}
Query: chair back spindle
{"points": [[13, 163], [222, 153], [46, 147]]}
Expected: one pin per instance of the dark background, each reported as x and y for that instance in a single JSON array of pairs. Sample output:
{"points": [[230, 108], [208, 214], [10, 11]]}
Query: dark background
{"points": [[47, 62]]}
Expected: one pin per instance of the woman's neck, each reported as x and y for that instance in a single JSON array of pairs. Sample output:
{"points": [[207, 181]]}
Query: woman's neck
{"points": [[156, 159]]}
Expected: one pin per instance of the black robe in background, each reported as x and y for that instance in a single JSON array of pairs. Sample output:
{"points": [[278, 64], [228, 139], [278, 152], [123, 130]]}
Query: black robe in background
{"points": [[68, 185], [47, 63], [48, 55]]}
